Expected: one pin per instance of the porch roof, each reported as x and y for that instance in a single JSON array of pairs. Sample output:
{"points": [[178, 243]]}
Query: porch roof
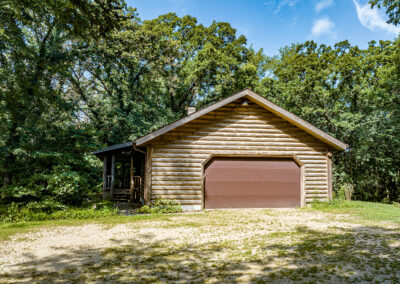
{"points": [[113, 148]]}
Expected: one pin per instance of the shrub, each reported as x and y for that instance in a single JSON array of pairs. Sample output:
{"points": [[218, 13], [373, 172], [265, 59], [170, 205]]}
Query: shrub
{"points": [[83, 213], [348, 190], [69, 184], [66, 185], [47, 205], [145, 209], [161, 206], [11, 213], [345, 191], [36, 212], [396, 204], [103, 204], [340, 194]]}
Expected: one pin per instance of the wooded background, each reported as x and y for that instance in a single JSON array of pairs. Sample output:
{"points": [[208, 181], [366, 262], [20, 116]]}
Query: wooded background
{"points": [[77, 75]]}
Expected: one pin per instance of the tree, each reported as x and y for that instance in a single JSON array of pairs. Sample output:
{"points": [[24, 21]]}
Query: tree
{"points": [[392, 8], [354, 95], [206, 63], [40, 43], [148, 73]]}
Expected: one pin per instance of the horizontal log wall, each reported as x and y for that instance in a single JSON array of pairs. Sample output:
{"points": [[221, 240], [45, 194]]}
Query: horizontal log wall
{"points": [[232, 130]]}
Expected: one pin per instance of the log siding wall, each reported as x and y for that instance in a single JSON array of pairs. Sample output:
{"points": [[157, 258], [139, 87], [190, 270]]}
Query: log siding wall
{"points": [[178, 156]]}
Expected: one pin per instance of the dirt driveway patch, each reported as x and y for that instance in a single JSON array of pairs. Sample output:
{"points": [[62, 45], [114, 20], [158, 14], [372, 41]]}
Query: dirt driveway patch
{"points": [[217, 246]]}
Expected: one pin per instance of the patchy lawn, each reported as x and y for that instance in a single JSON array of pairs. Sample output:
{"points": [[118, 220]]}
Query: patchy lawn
{"points": [[368, 211], [282, 245]]}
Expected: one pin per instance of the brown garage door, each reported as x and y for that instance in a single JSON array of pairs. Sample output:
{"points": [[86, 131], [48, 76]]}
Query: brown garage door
{"points": [[252, 183]]}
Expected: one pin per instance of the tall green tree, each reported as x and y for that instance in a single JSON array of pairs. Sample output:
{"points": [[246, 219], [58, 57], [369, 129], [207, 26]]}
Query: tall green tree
{"points": [[40, 43], [205, 63], [153, 70], [353, 94]]}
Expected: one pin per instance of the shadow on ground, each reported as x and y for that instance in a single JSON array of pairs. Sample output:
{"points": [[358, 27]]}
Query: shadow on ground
{"points": [[362, 254]]}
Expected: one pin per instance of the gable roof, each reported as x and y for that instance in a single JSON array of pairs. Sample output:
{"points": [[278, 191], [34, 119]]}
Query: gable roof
{"points": [[270, 106]]}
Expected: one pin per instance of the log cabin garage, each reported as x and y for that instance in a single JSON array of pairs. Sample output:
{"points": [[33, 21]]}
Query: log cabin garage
{"points": [[241, 152]]}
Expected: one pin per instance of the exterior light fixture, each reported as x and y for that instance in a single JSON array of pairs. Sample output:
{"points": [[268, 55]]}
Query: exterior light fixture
{"points": [[245, 103]]}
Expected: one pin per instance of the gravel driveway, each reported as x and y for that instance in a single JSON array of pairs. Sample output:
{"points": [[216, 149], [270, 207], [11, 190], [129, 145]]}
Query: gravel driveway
{"points": [[215, 246]]}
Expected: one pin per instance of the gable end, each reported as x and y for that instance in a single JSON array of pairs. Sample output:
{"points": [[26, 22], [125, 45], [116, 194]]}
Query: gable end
{"points": [[268, 105]]}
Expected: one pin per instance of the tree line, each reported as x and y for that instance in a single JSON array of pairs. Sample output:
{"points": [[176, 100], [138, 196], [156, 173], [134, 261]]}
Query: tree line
{"points": [[76, 75]]}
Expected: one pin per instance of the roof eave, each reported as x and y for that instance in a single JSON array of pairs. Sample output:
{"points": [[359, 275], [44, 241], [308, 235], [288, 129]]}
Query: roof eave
{"points": [[112, 148]]}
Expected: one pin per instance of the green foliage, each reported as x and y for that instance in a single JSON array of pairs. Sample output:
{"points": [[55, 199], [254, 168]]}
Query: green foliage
{"points": [[66, 185], [42, 126], [397, 204], [41, 211], [145, 209], [160, 206], [352, 94], [392, 8], [340, 194], [345, 192]]}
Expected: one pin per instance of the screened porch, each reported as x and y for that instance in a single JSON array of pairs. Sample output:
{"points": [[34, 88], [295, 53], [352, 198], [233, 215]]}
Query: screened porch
{"points": [[123, 173]]}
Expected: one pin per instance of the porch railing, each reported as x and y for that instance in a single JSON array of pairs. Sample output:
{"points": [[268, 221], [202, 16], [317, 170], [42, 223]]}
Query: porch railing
{"points": [[137, 193], [108, 182]]}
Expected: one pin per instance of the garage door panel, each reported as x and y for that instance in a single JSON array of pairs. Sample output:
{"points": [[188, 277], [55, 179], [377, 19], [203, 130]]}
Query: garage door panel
{"points": [[252, 183], [256, 174], [259, 187]]}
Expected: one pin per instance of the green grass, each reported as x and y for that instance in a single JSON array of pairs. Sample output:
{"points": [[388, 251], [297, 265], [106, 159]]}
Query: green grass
{"points": [[16, 214], [369, 211]]}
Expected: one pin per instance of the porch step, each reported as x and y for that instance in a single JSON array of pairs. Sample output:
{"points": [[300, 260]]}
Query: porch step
{"points": [[121, 197]]}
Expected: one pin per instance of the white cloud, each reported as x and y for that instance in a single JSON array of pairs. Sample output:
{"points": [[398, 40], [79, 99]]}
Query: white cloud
{"points": [[280, 4], [179, 6], [373, 20], [323, 26], [322, 4]]}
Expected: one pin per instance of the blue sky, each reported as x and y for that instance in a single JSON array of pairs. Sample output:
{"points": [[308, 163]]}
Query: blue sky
{"points": [[272, 24]]}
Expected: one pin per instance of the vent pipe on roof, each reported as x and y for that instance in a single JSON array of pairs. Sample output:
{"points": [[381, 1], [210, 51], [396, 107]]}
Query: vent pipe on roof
{"points": [[191, 110]]}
